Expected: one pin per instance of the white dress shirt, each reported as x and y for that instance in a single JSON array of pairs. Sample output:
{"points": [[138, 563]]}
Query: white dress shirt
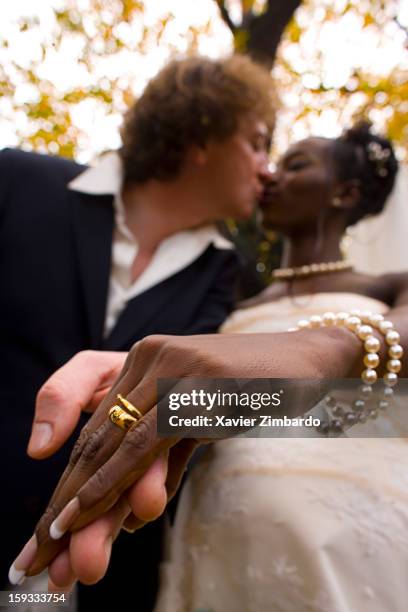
{"points": [[172, 255]]}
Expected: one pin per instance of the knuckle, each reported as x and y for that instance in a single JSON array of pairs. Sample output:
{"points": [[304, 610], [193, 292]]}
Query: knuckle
{"points": [[86, 447], [43, 525], [52, 392], [86, 355], [138, 439], [153, 344], [77, 449], [88, 358], [95, 489], [92, 446], [132, 355], [99, 483]]}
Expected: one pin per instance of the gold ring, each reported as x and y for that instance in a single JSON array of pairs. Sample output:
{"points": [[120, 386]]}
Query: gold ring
{"points": [[130, 407], [124, 418], [121, 418]]}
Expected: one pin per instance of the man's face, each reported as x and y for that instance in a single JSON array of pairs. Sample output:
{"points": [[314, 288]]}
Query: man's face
{"points": [[238, 168]]}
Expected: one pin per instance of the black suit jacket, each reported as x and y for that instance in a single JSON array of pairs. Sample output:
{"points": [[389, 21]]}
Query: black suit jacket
{"points": [[55, 253]]}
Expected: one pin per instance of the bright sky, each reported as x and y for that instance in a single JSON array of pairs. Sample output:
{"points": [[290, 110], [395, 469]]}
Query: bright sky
{"points": [[340, 45]]}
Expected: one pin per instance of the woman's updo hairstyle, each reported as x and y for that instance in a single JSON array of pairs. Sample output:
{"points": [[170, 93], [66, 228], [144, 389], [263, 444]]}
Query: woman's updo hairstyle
{"points": [[360, 154]]}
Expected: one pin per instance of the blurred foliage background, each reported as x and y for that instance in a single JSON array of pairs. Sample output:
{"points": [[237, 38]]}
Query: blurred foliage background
{"points": [[78, 64], [69, 69]]}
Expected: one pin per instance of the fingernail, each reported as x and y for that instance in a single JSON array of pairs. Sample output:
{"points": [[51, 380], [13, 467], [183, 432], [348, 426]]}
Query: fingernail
{"points": [[17, 571], [108, 546], [40, 437], [60, 525]]}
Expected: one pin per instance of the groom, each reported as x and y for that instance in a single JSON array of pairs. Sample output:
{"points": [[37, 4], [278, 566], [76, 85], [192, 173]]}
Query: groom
{"points": [[99, 258]]}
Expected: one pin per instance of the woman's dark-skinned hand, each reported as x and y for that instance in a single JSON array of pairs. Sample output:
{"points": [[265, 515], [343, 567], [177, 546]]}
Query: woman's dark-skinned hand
{"points": [[117, 478]]}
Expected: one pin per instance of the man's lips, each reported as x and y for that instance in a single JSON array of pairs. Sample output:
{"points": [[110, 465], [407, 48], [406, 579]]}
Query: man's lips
{"points": [[269, 195]]}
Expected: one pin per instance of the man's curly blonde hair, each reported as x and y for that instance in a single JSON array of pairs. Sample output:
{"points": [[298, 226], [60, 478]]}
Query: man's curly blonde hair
{"points": [[190, 102]]}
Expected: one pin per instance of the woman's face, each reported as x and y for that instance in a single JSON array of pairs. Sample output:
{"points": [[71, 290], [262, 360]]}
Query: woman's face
{"points": [[302, 186]]}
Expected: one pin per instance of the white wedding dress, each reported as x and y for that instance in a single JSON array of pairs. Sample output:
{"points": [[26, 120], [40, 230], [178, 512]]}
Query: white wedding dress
{"points": [[292, 525]]}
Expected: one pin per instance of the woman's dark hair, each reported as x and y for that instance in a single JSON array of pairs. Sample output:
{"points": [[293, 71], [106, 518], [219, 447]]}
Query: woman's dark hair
{"points": [[360, 154]]}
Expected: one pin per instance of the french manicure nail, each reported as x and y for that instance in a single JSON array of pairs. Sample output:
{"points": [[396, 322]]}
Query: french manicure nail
{"points": [[60, 525], [22, 562], [40, 437]]}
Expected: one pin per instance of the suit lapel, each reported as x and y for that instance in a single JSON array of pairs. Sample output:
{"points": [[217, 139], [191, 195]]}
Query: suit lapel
{"points": [[135, 321], [93, 227]]}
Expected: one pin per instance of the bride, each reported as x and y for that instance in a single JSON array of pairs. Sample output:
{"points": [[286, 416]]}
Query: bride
{"points": [[310, 524]]}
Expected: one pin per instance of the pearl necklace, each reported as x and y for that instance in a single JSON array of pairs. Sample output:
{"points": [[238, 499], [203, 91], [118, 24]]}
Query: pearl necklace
{"points": [[311, 270]]}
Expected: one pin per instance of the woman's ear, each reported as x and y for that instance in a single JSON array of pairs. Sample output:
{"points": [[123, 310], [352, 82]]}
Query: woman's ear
{"points": [[346, 195]]}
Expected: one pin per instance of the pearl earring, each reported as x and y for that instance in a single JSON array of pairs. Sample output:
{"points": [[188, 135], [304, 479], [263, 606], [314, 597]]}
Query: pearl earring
{"points": [[336, 202]]}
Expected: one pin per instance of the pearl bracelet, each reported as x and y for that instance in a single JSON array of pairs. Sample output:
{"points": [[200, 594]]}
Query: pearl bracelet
{"points": [[392, 339], [361, 323]]}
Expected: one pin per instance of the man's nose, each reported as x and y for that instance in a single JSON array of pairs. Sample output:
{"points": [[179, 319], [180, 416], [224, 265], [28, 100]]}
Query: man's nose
{"points": [[268, 175], [264, 170]]}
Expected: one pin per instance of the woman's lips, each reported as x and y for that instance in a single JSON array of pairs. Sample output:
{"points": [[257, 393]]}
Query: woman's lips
{"points": [[269, 196]]}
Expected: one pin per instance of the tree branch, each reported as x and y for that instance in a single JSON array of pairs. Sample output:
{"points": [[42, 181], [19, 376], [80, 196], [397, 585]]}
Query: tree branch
{"points": [[402, 27], [265, 30], [226, 16], [259, 35]]}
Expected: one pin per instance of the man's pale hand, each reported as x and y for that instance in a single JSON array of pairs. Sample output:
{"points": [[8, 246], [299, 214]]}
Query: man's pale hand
{"points": [[80, 385]]}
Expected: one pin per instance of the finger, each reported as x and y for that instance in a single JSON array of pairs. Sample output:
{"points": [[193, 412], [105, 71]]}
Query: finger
{"points": [[138, 362], [48, 547], [49, 543], [90, 450], [180, 455], [91, 445], [78, 470], [89, 439], [148, 496], [132, 523], [71, 388], [141, 497], [60, 572], [90, 457], [54, 588], [89, 551], [136, 453], [97, 399], [90, 548]]}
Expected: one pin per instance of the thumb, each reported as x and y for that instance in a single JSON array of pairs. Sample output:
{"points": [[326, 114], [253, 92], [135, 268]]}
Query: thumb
{"points": [[66, 393]]}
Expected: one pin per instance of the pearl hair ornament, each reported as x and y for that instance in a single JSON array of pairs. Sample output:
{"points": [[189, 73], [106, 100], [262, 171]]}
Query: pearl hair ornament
{"points": [[362, 324], [378, 155]]}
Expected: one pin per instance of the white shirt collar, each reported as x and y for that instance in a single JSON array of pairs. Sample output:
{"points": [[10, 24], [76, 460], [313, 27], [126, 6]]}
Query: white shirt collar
{"points": [[175, 252], [106, 178]]}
